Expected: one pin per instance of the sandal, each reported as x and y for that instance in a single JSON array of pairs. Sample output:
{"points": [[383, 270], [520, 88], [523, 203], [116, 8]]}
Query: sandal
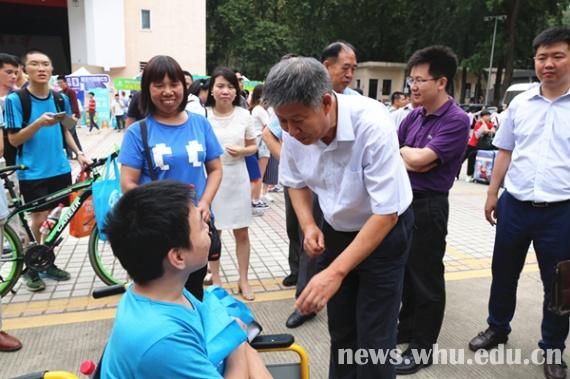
{"points": [[246, 295]]}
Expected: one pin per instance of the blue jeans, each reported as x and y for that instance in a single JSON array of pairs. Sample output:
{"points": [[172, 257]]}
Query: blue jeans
{"points": [[518, 224]]}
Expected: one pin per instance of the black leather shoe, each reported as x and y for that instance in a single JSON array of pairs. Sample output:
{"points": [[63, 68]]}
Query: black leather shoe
{"points": [[409, 365], [554, 370], [296, 319], [487, 340], [290, 280]]}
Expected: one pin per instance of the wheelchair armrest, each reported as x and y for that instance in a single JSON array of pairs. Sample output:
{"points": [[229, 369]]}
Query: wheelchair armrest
{"points": [[272, 341]]}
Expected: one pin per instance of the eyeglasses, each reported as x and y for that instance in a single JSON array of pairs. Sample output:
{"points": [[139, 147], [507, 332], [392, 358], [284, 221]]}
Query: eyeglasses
{"points": [[411, 81], [192, 194]]}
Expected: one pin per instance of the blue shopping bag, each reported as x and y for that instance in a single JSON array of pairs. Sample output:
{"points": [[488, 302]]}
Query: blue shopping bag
{"points": [[221, 331], [106, 192]]}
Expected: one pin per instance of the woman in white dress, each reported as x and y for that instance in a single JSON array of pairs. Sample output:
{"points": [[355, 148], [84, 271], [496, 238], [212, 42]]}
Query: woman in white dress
{"points": [[233, 126]]}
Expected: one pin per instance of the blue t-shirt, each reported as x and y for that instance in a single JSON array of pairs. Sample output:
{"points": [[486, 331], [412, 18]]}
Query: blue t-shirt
{"points": [[178, 152], [154, 339], [44, 153]]}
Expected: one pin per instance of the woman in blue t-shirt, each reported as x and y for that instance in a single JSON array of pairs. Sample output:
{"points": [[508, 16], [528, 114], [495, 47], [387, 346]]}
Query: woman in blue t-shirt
{"points": [[182, 146]]}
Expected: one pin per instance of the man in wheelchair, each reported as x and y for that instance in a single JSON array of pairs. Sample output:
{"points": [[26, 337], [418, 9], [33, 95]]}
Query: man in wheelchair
{"points": [[159, 237]]}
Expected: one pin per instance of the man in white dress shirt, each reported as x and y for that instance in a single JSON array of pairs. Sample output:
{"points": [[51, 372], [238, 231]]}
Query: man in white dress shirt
{"points": [[344, 149], [533, 160]]}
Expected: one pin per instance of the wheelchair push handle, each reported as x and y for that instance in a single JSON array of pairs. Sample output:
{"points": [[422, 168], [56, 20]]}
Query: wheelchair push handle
{"points": [[117, 289]]}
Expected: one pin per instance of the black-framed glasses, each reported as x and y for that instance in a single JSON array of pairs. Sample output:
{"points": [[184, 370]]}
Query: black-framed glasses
{"points": [[192, 194], [411, 81]]}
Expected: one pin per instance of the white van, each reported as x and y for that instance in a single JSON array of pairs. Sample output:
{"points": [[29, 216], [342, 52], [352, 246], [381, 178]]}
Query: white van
{"points": [[514, 90]]}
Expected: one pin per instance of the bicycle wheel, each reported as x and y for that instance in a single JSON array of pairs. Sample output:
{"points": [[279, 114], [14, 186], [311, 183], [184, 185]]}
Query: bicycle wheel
{"points": [[104, 263], [11, 260]]}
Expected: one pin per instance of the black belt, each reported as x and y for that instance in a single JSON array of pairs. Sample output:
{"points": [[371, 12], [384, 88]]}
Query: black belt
{"points": [[544, 204], [428, 194]]}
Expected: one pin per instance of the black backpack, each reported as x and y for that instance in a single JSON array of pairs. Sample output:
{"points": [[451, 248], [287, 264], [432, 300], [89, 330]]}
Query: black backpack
{"points": [[10, 152]]}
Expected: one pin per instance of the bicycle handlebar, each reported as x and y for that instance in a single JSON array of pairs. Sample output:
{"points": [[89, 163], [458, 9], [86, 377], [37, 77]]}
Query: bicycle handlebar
{"points": [[10, 169], [117, 289], [101, 161]]}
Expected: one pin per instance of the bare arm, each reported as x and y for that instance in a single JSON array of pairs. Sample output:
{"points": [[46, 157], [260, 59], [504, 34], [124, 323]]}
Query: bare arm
{"points": [[237, 151], [419, 159], [22, 135], [273, 144], [302, 201], [236, 364], [324, 285], [502, 163], [214, 170], [129, 178], [1, 141]]}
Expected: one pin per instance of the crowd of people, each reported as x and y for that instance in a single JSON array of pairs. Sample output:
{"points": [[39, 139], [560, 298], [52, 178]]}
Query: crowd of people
{"points": [[366, 196]]}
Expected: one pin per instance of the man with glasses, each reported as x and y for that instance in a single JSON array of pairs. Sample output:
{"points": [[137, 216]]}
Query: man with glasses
{"points": [[534, 150], [433, 139], [41, 148]]}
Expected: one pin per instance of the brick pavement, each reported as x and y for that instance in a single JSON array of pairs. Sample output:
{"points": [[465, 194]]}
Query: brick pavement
{"points": [[468, 254]]}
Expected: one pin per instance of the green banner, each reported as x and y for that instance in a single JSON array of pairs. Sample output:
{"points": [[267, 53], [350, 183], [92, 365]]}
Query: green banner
{"points": [[127, 84]]}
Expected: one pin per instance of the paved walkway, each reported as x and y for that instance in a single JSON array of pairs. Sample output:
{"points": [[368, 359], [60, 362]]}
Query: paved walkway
{"points": [[65, 314]]}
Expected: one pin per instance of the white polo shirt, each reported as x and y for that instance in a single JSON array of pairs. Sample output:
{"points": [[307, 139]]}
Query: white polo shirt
{"points": [[537, 131], [359, 174]]}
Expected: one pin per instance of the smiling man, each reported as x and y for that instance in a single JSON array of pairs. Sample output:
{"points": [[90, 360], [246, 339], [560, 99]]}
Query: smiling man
{"points": [[344, 149], [534, 150], [433, 139]]}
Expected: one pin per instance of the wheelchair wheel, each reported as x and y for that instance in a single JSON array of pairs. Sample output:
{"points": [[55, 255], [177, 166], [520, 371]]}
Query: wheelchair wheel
{"points": [[11, 260], [104, 263]]}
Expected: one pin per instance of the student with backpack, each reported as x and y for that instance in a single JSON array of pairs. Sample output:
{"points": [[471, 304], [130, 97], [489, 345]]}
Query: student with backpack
{"points": [[39, 139]]}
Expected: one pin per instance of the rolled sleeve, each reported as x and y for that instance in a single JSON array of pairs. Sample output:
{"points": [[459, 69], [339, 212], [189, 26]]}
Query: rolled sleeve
{"points": [[289, 175], [505, 137], [384, 174]]}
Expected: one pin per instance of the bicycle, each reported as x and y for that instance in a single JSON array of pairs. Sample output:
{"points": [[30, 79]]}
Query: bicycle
{"points": [[39, 256]]}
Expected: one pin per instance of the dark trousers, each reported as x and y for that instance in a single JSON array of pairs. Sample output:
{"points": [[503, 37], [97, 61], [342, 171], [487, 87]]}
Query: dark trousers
{"points": [[295, 238], [423, 300], [73, 132], [92, 122], [364, 311], [120, 122], [300, 263], [518, 224], [470, 155]]}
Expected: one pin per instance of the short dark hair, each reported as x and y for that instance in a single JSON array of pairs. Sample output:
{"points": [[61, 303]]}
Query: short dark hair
{"points": [[61, 77], [484, 113], [198, 85], [91, 93], [334, 49], [552, 35], [231, 77], [33, 50], [442, 62], [396, 96], [155, 70], [146, 223], [8, 59]]}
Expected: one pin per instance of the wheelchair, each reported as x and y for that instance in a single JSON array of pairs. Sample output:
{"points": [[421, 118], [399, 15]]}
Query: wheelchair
{"points": [[270, 343]]}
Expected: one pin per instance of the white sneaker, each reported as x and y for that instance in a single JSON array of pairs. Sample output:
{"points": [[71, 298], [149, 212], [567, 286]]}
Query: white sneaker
{"points": [[469, 179], [268, 197], [257, 212]]}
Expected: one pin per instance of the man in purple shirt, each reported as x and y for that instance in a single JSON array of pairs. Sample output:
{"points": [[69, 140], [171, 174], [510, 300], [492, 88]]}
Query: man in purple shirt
{"points": [[433, 139]]}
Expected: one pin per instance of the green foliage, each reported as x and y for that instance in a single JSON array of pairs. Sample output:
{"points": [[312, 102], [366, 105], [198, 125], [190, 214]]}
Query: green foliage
{"points": [[252, 34]]}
